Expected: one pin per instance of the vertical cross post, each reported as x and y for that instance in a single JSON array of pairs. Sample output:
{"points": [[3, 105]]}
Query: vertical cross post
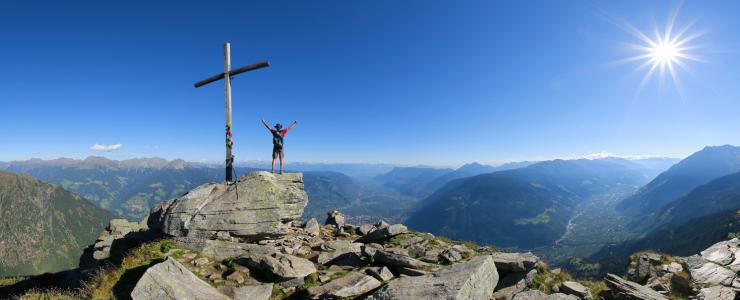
{"points": [[227, 91], [226, 76]]}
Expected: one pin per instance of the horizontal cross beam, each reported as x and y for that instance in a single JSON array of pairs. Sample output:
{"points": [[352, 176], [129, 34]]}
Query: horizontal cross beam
{"points": [[233, 73]]}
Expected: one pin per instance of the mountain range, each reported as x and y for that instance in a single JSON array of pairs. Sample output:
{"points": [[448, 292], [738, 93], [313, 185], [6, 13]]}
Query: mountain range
{"points": [[699, 168], [525, 207], [43, 228]]}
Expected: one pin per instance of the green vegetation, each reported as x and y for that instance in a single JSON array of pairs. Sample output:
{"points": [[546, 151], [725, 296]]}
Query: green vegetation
{"points": [[546, 279], [542, 218], [310, 281], [44, 227], [49, 295], [118, 282]]}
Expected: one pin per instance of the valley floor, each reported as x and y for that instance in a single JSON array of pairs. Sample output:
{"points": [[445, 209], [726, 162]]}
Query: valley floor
{"points": [[595, 224]]}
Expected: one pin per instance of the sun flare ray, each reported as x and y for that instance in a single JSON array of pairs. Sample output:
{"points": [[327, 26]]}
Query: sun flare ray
{"points": [[666, 53]]}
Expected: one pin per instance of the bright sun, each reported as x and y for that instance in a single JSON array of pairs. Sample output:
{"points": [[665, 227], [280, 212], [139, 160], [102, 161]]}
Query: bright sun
{"points": [[665, 53]]}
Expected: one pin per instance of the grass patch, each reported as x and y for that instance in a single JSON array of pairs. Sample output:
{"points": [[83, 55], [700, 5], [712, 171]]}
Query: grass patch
{"points": [[118, 282], [596, 287], [545, 279], [310, 281], [48, 295], [338, 274], [277, 292], [10, 281]]}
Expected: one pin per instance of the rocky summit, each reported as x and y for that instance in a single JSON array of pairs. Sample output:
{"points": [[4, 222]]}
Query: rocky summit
{"points": [[254, 207], [244, 241]]}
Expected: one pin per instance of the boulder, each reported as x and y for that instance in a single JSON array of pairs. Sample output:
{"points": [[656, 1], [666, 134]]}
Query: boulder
{"points": [[474, 279], [351, 285], [121, 227], [171, 280], [713, 274], [337, 250], [450, 256], [643, 266], [514, 262], [220, 250], [382, 273], [335, 218], [312, 227], [253, 208], [382, 234], [717, 293], [509, 286], [365, 229], [628, 290], [539, 295], [575, 289], [281, 266], [722, 253], [250, 292], [388, 258]]}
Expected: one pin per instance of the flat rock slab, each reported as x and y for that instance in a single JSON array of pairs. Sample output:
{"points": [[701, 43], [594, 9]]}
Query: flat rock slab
{"points": [[382, 234], [351, 285], [474, 279], [510, 285], [717, 293], [169, 280], [713, 274], [515, 262], [220, 250], [282, 266], [539, 295], [628, 290], [576, 289], [332, 250], [254, 207], [398, 260]]}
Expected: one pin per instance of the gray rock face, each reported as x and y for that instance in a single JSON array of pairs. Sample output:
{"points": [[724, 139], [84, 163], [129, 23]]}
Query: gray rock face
{"points": [[576, 289], [510, 285], [312, 227], [338, 249], [713, 274], [628, 290], [382, 234], [282, 266], [398, 260], [249, 292], [351, 285], [335, 218], [721, 253], [382, 274], [121, 227], [170, 280], [221, 250], [539, 295], [474, 279], [515, 262], [255, 207], [717, 293]]}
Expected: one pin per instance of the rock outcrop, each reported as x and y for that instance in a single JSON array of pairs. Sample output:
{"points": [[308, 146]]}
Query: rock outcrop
{"points": [[170, 280], [474, 279], [255, 207], [621, 289], [245, 239]]}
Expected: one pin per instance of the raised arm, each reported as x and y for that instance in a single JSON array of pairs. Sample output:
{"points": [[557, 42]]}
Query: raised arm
{"points": [[266, 126], [293, 125]]}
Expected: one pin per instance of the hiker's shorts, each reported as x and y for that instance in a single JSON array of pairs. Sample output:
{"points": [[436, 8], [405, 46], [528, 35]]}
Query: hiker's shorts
{"points": [[277, 151]]}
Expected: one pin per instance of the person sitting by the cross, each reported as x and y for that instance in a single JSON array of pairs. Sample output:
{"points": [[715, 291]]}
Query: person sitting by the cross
{"points": [[278, 139]]}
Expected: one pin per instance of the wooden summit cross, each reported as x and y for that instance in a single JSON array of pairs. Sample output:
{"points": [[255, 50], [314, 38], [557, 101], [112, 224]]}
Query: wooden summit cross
{"points": [[226, 76]]}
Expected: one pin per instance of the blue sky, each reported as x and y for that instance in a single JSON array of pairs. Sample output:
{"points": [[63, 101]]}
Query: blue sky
{"points": [[414, 82]]}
